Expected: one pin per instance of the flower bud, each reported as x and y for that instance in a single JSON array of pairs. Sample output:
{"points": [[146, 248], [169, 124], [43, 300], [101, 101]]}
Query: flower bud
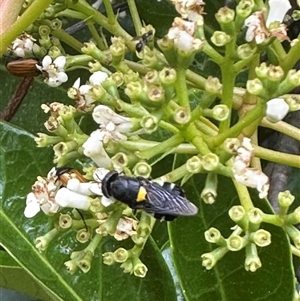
{"points": [[294, 234], [294, 217], [149, 123], [225, 17], [85, 263], [293, 101], [255, 87], [182, 115], [213, 235], [210, 161], [142, 169], [245, 51], [194, 165], [121, 255], [261, 238], [236, 242], [213, 85], [209, 260], [285, 198], [65, 221], [255, 216], [238, 215], [108, 258], [83, 236], [127, 266], [220, 38], [252, 262], [220, 112], [209, 192], [71, 266], [140, 270], [231, 145]]}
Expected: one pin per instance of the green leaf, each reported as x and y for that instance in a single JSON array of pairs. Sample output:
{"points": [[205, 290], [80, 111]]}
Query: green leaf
{"points": [[21, 162], [228, 280]]}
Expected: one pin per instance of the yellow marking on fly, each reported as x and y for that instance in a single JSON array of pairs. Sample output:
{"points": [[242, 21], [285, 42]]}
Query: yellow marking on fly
{"points": [[141, 194]]}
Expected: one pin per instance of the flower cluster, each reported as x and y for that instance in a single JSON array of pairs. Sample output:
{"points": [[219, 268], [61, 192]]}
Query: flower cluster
{"points": [[129, 115]]}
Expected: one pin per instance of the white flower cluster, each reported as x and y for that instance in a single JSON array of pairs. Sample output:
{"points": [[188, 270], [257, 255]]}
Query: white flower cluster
{"points": [[54, 70], [249, 176], [49, 196], [183, 29], [260, 29], [24, 46], [112, 128]]}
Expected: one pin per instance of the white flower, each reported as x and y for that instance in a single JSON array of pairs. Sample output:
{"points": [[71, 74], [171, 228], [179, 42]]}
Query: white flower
{"points": [[103, 115], [97, 78], [88, 188], [186, 7], [278, 10], [249, 176], [54, 70], [259, 29], [182, 32], [23, 45], [41, 198], [67, 198], [93, 148], [277, 109]]}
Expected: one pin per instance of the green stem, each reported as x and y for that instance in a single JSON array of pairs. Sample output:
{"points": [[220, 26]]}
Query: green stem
{"points": [[278, 157], [68, 39], [282, 127], [26, 19], [292, 58], [244, 196], [181, 89], [279, 50], [96, 37], [161, 148], [135, 16], [99, 18], [109, 11]]}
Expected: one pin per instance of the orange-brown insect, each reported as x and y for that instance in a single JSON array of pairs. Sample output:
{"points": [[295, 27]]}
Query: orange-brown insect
{"points": [[23, 68], [64, 174]]}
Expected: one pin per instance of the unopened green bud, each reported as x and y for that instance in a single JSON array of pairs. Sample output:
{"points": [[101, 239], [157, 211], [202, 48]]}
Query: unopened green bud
{"points": [[95, 66], [156, 96], [255, 216], [261, 238], [213, 85], [275, 73], [85, 263], [182, 115], [291, 81], [245, 51], [139, 269], [151, 77], [149, 123], [220, 38], [117, 49], [167, 76], [63, 148], [209, 260], [238, 215], [194, 165], [142, 169], [262, 70], [44, 140], [244, 8], [56, 24], [118, 78], [255, 87], [121, 255], [252, 262], [120, 159], [83, 235], [65, 221], [225, 17], [285, 198], [91, 49], [231, 145], [54, 52], [213, 235], [293, 101], [44, 31], [42, 242], [209, 192], [108, 258], [236, 242], [134, 90], [220, 112], [210, 161], [71, 267]]}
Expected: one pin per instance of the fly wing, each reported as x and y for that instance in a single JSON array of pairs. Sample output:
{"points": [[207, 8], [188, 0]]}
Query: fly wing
{"points": [[161, 201]]}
